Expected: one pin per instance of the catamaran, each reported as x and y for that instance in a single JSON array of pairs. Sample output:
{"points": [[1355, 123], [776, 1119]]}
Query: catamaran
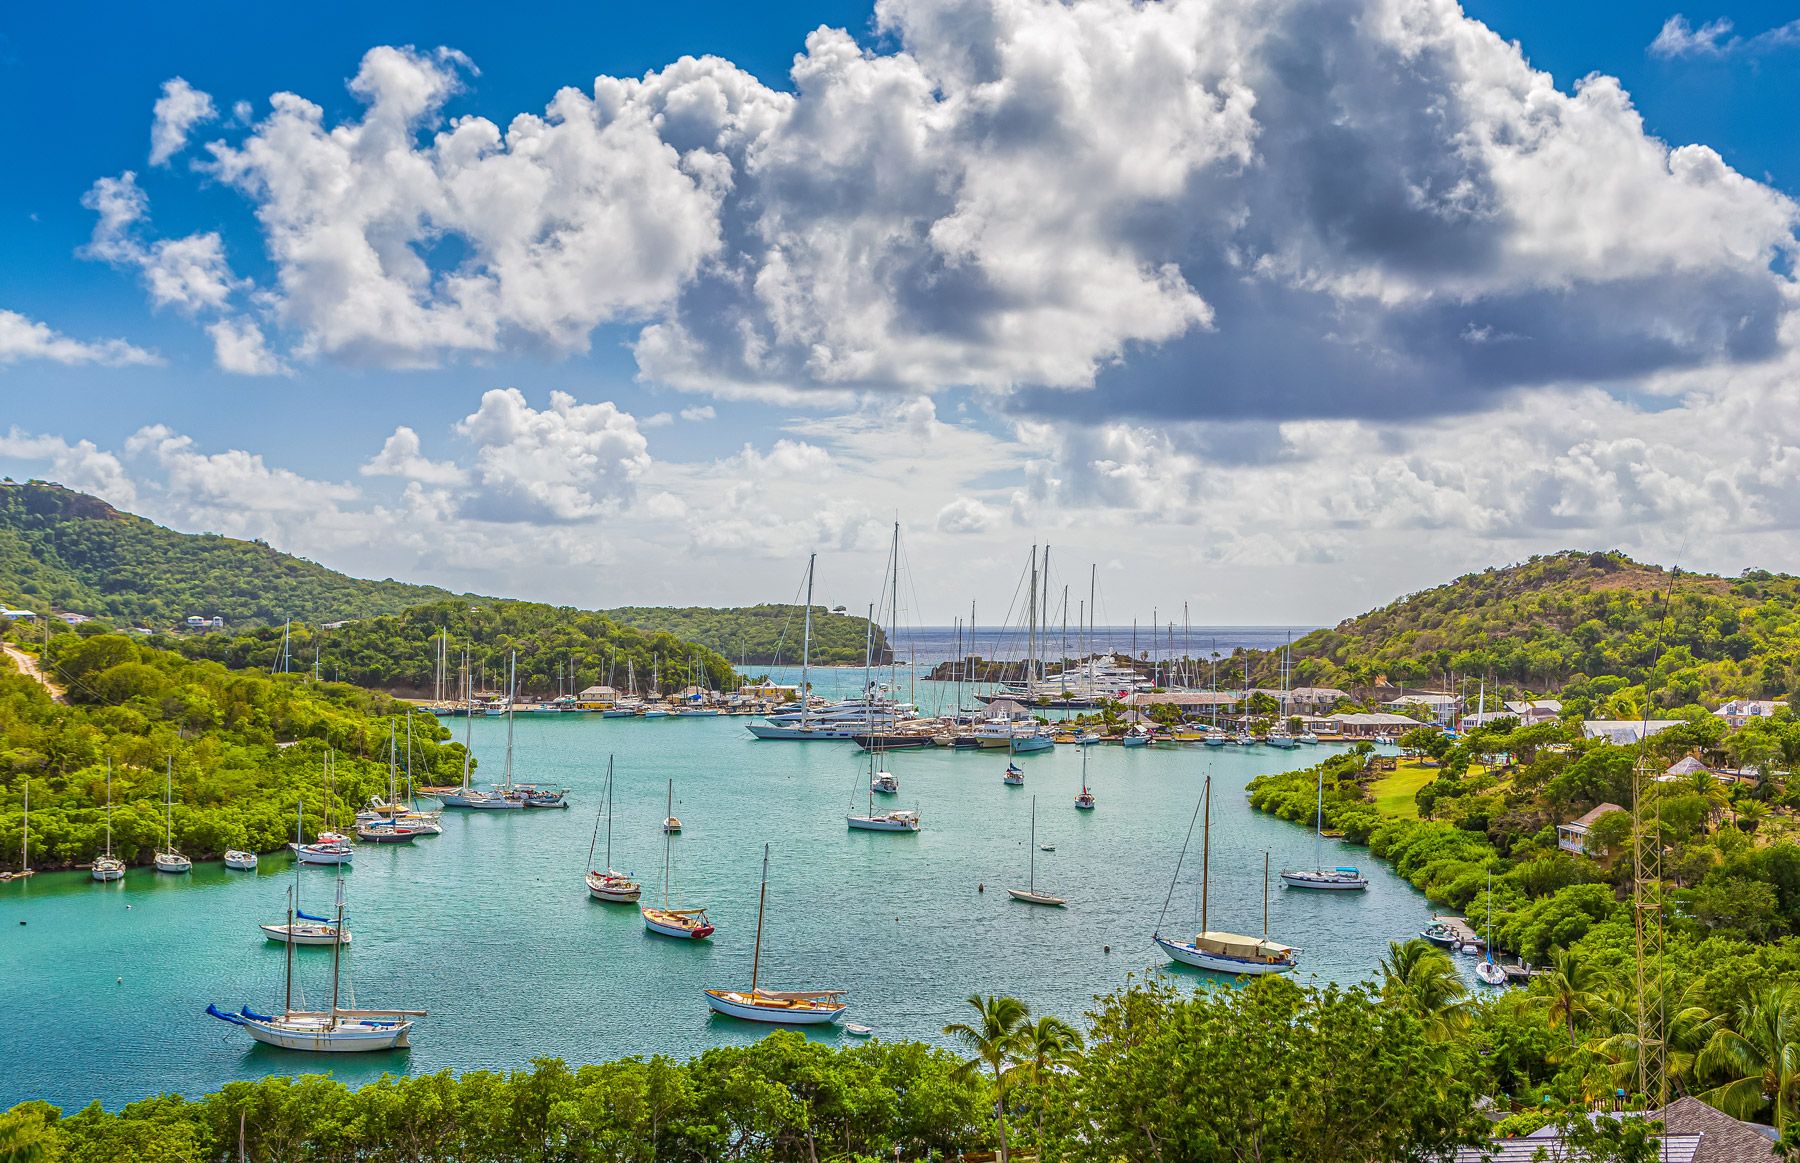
{"points": [[784, 1007], [1343, 878], [686, 924], [167, 859], [303, 928], [610, 885], [1029, 894], [1213, 949], [336, 1030], [108, 866]]}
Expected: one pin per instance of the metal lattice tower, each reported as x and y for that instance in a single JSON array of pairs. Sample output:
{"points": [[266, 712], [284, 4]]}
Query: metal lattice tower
{"points": [[1647, 898]]}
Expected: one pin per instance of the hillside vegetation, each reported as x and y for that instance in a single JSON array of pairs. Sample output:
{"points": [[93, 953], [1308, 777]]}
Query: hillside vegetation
{"points": [[559, 650], [764, 635], [245, 747], [1572, 617], [64, 550]]}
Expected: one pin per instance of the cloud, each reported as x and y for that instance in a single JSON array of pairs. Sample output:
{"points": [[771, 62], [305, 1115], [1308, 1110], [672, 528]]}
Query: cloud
{"points": [[234, 487], [81, 465], [22, 338], [698, 413], [190, 274], [657, 420], [567, 462], [967, 515], [1714, 39], [403, 456], [1188, 209], [178, 110], [239, 347]]}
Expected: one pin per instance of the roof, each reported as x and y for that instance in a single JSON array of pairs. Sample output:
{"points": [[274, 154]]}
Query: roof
{"points": [[1429, 700], [1687, 766], [597, 692], [1522, 705], [1625, 730], [1723, 1139], [1675, 1149], [1182, 698], [1587, 820], [1372, 719]]}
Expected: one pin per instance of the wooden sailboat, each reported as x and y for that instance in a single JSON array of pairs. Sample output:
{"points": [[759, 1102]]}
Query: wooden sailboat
{"points": [[1217, 950], [610, 885], [336, 1030], [1343, 878], [25, 869], [1029, 894], [780, 1007], [686, 924], [108, 866], [1084, 801], [167, 859], [302, 928]]}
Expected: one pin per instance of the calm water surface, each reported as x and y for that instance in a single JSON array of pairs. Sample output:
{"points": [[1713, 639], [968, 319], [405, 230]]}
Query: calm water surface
{"points": [[490, 928]]}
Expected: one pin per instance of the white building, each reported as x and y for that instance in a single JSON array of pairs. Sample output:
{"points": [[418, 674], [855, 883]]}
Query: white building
{"points": [[1737, 712], [1572, 837], [1625, 731]]}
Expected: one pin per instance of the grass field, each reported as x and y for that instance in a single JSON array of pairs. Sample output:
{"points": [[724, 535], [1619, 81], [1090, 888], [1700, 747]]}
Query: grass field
{"points": [[1394, 793]]}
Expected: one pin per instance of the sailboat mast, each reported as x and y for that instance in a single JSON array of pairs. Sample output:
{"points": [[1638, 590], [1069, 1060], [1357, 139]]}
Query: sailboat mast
{"points": [[25, 843], [762, 897], [894, 616], [468, 719], [287, 1004], [1205, 849], [1031, 632], [609, 796], [168, 804], [1265, 894], [109, 807], [1044, 614], [1031, 876], [512, 694], [806, 644], [1093, 580], [667, 812], [1062, 662], [337, 947], [594, 840]]}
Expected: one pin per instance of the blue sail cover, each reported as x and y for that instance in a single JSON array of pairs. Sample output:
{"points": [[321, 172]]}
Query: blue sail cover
{"points": [[310, 917], [254, 1016], [216, 1012]]}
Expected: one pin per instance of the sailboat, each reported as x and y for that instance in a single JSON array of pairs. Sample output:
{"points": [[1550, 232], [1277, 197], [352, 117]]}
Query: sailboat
{"points": [[1014, 777], [1486, 970], [687, 924], [384, 829], [1029, 894], [24, 844], [611, 886], [871, 820], [303, 928], [1213, 949], [331, 847], [167, 859], [781, 1007], [1085, 800], [465, 794], [1343, 878], [336, 1030], [108, 866]]}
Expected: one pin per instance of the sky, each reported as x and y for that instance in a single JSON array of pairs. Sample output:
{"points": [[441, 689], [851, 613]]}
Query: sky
{"points": [[1276, 308]]}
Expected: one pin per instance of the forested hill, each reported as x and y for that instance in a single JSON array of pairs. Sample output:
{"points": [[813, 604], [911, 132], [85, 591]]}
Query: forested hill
{"points": [[560, 650], [1545, 621], [762, 635], [65, 550]]}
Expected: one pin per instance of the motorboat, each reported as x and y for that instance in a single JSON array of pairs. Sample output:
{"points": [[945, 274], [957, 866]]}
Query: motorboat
{"points": [[240, 861]]}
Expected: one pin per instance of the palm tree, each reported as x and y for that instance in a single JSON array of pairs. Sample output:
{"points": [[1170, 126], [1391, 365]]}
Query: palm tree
{"points": [[1045, 1045], [1421, 977], [1758, 1054], [995, 1041], [1572, 984]]}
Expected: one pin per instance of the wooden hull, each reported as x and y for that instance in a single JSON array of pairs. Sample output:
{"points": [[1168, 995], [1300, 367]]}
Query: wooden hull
{"points": [[667, 924], [746, 1008]]}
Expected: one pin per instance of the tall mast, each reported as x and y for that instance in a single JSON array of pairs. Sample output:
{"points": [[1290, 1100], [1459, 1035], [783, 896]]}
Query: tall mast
{"points": [[1044, 615], [1031, 877], [668, 812], [594, 839], [287, 1004], [468, 719], [1031, 632], [609, 798], [109, 807], [894, 615], [1265, 894], [512, 687], [806, 644], [168, 804], [1205, 850], [762, 897], [25, 844], [337, 947], [1062, 665], [1092, 610]]}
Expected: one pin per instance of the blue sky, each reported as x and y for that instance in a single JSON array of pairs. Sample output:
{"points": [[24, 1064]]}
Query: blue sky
{"points": [[1006, 270]]}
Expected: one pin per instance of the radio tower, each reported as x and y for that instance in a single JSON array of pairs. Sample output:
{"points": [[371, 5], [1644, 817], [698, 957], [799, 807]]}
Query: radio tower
{"points": [[1647, 898]]}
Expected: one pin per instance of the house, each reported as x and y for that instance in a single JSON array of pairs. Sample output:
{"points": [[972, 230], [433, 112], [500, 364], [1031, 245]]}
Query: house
{"points": [[1534, 711], [1486, 719], [1367, 725], [1007, 709], [1438, 705], [774, 692], [1625, 731], [1305, 700], [1737, 712], [1684, 768], [1203, 701], [73, 618], [1692, 1132], [17, 615], [1572, 837], [196, 622], [597, 698]]}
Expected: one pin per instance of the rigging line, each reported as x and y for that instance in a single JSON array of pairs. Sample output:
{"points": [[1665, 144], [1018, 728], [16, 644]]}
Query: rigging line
{"points": [[1176, 879]]}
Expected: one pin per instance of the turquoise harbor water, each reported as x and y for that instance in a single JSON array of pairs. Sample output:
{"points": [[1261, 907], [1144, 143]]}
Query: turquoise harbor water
{"points": [[490, 928]]}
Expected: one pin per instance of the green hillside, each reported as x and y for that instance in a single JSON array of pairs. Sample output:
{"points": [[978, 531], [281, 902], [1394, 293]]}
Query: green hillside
{"points": [[66, 550], [1569, 617], [764, 635], [559, 649]]}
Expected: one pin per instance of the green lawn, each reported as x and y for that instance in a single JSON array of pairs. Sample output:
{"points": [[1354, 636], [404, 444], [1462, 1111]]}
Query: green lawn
{"points": [[1394, 793]]}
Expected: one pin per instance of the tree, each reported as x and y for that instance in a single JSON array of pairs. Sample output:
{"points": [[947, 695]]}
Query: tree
{"points": [[995, 1041], [1758, 1056], [1421, 979], [28, 1133], [1046, 1045], [1572, 985]]}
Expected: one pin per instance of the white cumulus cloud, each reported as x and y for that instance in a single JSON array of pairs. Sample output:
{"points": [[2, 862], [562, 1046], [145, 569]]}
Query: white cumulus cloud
{"points": [[23, 338], [567, 462], [176, 112]]}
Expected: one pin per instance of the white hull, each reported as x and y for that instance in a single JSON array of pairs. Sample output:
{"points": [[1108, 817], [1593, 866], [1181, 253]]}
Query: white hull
{"points": [[314, 854], [1013, 780], [617, 890], [1323, 881], [241, 861], [1029, 743], [1490, 973], [679, 932], [1188, 954], [347, 1038], [305, 934], [495, 803], [1035, 898], [104, 871], [724, 1002], [173, 862], [459, 799], [812, 734], [883, 823]]}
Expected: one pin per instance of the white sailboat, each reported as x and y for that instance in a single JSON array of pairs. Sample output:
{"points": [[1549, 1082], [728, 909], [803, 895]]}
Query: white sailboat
{"points": [[1343, 878], [1084, 801], [779, 1007], [107, 866], [870, 820], [1014, 777], [168, 859], [1213, 949], [465, 794], [609, 885], [684, 924], [1486, 970], [330, 847], [302, 928], [1029, 894], [503, 796], [335, 1030]]}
